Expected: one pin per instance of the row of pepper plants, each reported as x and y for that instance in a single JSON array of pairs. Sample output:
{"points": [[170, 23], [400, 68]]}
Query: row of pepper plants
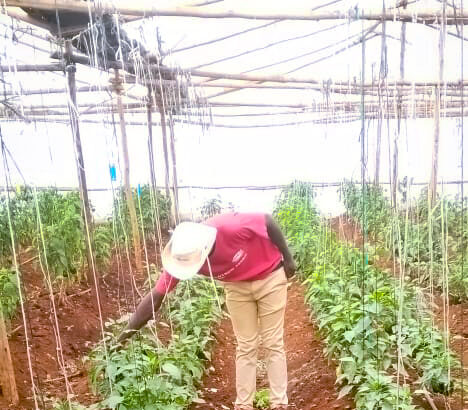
{"points": [[432, 243], [48, 224], [150, 373], [377, 329]]}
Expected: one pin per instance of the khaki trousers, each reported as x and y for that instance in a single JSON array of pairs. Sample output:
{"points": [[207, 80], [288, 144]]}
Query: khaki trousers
{"points": [[257, 309]]}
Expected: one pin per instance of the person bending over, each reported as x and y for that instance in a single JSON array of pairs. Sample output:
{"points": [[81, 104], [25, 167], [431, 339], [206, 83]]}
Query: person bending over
{"points": [[248, 253]]}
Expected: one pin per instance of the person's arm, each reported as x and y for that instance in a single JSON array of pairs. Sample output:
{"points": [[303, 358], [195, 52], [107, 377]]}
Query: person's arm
{"points": [[148, 306], [277, 237]]}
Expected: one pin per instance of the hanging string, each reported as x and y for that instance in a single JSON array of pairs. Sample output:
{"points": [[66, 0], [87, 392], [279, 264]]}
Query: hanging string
{"points": [[462, 187], [48, 280], [18, 274]]}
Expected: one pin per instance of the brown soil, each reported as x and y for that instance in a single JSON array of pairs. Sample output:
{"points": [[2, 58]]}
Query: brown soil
{"points": [[80, 328], [311, 377], [350, 231]]}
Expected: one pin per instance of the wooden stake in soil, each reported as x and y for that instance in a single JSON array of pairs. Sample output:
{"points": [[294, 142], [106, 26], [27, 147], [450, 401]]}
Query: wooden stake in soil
{"points": [[127, 187], [75, 126], [7, 374]]}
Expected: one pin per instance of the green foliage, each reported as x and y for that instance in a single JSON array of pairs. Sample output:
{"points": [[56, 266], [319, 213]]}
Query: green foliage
{"points": [[66, 405], [262, 399], [368, 205], [149, 208], [61, 242], [9, 292], [148, 375], [430, 242], [23, 220], [102, 245], [368, 320], [211, 207]]}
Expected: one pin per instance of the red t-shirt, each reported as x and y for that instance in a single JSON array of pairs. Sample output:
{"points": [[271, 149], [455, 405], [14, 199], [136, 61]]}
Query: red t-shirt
{"points": [[243, 251]]}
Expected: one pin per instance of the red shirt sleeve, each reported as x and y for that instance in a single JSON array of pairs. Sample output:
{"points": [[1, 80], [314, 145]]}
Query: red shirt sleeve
{"points": [[166, 283]]}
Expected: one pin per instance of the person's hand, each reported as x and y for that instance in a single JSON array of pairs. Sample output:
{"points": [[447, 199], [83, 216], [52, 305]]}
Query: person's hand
{"points": [[289, 267]]}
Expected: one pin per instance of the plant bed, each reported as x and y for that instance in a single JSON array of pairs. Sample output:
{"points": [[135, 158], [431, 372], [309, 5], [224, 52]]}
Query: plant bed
{"points": [[374, 326]]}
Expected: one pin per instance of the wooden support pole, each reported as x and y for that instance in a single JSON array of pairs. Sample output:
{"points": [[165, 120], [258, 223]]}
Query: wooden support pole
{"points": [[149, 109], [162, 114], [174, 170], [127, 186], [438, 94], [382, 81], [31, 67], [435, 150], [148, 8], [7, 374], [399, 115], [75, 127]]}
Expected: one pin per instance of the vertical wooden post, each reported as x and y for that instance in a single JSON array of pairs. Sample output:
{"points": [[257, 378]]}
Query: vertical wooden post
{"points": [[7, 374], [150, 138], [399, 107], [438, 91], [127, 186], [382, 78], [174, 169], [435, 149], [75, 127], [162, 114]]}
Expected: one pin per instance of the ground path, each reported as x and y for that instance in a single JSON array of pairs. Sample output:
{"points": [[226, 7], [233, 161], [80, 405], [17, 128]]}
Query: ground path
{"points": [[311, 377]]}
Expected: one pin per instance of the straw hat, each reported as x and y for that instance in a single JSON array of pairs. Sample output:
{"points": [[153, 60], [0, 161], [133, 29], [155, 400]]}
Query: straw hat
{"points": [[188, 249]]}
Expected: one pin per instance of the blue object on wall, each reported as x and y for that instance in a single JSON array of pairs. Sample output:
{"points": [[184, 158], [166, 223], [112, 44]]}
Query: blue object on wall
{"points": [[113, 172]]}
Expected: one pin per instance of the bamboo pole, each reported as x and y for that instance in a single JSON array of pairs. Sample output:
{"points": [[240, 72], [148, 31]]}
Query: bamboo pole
{"points": [[304, 80], [149, 109], [435, 143], [174, 170], [7, 374], [80, 59], [147, 8], [31, 67], [382, 80], [162, 114], [127, 187], [399, 115], [75, 127]]}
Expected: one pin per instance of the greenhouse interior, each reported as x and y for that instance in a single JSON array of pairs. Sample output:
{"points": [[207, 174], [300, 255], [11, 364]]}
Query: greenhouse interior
{"points": [[233, 205]]}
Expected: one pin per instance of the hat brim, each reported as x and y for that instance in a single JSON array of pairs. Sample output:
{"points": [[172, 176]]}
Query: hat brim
{"points": [[188, 270]]}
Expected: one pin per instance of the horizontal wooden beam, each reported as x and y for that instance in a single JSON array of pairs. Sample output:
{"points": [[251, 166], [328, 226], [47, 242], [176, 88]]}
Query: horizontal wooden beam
{"points": [[303, 80], [32, 67], [148, 8]]}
